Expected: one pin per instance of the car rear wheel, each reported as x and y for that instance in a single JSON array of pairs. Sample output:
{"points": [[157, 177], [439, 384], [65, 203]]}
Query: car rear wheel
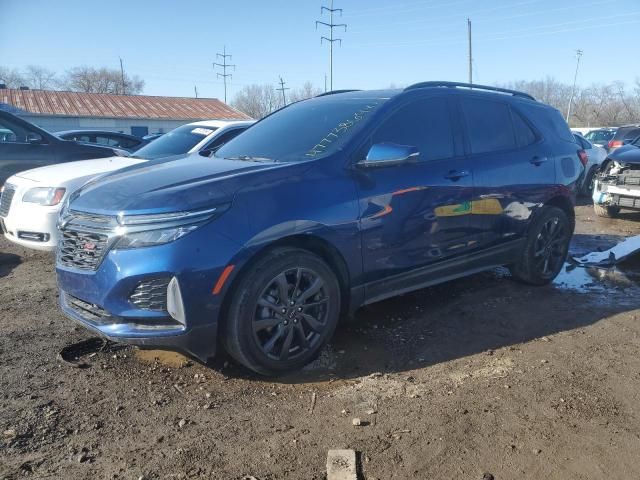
{"points": [[587, 186], [606, 211], [283, 312], [546, 247]]}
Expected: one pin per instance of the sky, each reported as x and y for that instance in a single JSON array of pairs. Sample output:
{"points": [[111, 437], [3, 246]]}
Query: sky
{"points": [[172, 44]]}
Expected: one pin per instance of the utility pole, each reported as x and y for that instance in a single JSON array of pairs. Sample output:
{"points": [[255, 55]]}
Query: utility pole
{"points": [[224, 66], [331, 26], [282, 89], [122, 76], [575, 78], [470, 52]]}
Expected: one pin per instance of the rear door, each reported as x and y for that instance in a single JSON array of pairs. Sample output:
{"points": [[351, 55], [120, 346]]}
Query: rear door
{"points": [[22, 149], [511, 166], [415, 213]]}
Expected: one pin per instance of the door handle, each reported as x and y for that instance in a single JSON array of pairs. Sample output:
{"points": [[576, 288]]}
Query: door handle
{"points": [[455, 175], [537, 161]]}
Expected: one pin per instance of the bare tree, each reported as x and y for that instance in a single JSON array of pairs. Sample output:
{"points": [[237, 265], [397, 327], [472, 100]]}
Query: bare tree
{"points": [[596, 105], [11, 77], [101, 80], [257, 101], [308, 90], [40, 77]]}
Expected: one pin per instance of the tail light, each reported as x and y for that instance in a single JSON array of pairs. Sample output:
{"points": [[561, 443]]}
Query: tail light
{"points": [[584, 158], [615, 143]]}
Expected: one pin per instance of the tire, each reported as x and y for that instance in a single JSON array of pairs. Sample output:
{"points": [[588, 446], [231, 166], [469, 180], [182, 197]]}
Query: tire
{"points": [[269, 334], [587, 185], [546, 247], [606, 211]]}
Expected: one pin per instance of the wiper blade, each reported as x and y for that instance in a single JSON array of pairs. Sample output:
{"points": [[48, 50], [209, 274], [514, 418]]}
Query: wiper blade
{"points": [[249, 158]]}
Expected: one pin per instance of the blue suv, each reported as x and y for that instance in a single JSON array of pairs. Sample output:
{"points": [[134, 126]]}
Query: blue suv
{"points": [[322, 207]]}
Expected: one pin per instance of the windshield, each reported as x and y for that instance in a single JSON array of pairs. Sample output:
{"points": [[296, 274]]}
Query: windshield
{"points": [[302, 131], [599, 136], [178, 141]]}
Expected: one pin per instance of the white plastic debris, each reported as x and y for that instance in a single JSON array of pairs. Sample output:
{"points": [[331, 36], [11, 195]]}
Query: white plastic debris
{"points": [[613, 255]]}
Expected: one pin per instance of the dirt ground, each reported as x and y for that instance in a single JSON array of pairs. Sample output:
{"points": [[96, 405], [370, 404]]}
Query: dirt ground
{"points": [[474, 377]]}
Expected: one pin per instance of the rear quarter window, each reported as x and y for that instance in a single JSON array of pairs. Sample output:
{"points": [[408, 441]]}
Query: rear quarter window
{"points": [[559, 126]]}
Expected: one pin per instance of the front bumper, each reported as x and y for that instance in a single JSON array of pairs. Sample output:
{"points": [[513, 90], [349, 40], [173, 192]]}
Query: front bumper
{"points": [[623, 196], [198, 341], [32, 226], [196, 261]]}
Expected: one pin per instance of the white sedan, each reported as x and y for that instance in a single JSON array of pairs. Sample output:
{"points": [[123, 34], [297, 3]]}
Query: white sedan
{"points": [[31, 200]]}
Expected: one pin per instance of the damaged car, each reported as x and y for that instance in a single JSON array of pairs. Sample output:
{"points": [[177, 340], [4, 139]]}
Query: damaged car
{"points": [[617, 184]]}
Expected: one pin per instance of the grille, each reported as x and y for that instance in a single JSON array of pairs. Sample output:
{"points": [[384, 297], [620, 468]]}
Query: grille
{"points": [[629, 202], [151, 295], [87, 310], [82, 250], [5, 200]]}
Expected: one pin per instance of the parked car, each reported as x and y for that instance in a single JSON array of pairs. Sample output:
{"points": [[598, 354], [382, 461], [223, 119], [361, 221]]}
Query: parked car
{"points": [[622, 136], [321, 207], [152, 136], [601, 136], [24, 146], [595, 157], [31, 200], [617, 185], [123, 141]]}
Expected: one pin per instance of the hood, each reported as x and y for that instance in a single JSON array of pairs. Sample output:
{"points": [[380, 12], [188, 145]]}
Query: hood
{"points": [[628, 154], [168, 185], [59, 174]]}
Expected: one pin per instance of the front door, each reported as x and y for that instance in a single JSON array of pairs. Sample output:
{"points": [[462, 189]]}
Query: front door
{"points": [[22, 149], [415, 213]]}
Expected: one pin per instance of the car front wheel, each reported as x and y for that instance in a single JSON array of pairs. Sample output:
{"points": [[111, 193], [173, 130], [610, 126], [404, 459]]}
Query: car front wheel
{"points": [[546, 247], [283, 311]]}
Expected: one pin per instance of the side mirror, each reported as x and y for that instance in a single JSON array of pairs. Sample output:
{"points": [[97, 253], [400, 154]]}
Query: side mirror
{"points": [[207, 152], [387, 154]]}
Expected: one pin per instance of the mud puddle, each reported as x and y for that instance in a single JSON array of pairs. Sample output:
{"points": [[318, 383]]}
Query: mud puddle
{"points": [[598, 280]]}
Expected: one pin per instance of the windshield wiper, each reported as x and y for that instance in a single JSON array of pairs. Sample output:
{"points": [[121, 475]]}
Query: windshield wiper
{"points": [[249, 158]]}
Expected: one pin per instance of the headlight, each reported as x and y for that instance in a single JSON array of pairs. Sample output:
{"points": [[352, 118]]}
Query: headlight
{"points": [[153, 237], [44, 196], [137, 231]]}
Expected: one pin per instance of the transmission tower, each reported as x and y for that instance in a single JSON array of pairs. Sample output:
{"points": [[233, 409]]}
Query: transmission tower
{"points": [[331, 26], [282, 89], [224, 66]]}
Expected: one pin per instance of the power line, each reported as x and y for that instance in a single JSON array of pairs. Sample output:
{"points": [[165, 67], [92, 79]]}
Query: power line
{"points": [[575, 78], [282, 89], [331, 26], [224, 66]]}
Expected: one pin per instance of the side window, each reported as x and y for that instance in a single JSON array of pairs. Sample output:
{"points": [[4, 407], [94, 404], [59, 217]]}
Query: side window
{"points": [[109, 141], [223, 138], [10, 133], [425, 124], [631, 134], [524, 135], [489, 125]]}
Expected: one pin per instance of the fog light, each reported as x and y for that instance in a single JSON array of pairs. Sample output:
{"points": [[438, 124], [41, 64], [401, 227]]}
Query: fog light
{"points": [[175, 307]]}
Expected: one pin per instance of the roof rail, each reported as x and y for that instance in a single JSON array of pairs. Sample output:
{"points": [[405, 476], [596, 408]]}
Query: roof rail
{"points": [[473, 86], [333, 92]]}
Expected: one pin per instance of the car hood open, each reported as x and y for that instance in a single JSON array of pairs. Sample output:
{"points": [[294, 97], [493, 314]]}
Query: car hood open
{"points": [[168, 185]]}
